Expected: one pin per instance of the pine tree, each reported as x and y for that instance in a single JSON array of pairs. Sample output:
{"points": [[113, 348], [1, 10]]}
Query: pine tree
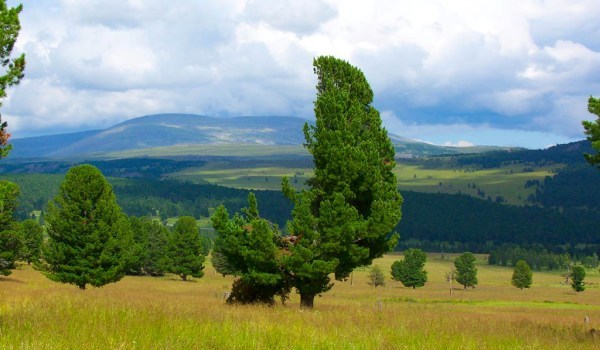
{"points": [[151, 254], [410, 270], [89, 236], [250, 248], [592, 130], [14, 68], [376, 277], [10, 241], [466, 272], [577, 277], [186, 249], [33, 238], [521, 277], [344, 220]]}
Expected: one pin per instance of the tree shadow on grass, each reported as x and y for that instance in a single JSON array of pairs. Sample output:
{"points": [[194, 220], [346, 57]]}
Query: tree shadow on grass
{"points": [[8, 279]]}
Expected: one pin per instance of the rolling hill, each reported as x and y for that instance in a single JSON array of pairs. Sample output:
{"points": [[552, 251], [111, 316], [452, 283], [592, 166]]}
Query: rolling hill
{"points": [[190, 134]]}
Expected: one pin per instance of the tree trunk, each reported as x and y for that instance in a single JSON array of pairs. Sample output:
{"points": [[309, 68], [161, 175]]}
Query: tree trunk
{"points": [[81, 286], [307, 301], [184, 277]]}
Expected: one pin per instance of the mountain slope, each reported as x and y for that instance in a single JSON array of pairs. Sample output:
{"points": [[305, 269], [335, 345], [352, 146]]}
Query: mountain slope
{"points": [[185, 130]]}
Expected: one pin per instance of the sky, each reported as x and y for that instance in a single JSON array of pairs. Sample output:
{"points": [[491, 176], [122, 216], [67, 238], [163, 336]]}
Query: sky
{"points": [[460, 72]]}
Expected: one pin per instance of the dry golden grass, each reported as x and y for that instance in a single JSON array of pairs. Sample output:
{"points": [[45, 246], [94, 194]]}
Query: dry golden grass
{"points": [[165, 313]]}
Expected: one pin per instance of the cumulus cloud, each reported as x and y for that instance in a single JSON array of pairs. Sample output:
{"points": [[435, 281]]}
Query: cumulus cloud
{"points": [[433, 65]]}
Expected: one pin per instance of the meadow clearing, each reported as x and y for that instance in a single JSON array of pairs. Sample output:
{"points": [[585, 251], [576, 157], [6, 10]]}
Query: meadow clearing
{"points": [[507, 182], [166, 313]]}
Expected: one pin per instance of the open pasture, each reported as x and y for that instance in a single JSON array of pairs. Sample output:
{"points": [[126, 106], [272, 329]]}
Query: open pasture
{"points": [[165, 313], [507, 182]]}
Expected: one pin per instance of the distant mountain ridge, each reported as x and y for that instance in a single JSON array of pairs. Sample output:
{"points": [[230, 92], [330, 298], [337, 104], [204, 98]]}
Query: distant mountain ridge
{"points": [[168, 130]]}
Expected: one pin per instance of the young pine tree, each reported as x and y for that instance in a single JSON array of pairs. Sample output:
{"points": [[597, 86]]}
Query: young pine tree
{"points": [[410, 270], [376, 277], [592, 130], [577, 277], [521, 277], [89, 236], [344, 220], [466, 272], [250, 248], [186, 249]]}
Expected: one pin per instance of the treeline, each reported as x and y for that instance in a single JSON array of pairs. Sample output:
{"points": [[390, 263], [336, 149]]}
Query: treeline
{"points": [[539, 258], [464, 219], [571, 187], [471, 224], [570, 153]]}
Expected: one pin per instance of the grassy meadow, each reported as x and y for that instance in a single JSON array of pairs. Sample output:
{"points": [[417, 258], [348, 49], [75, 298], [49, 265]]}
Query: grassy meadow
{"points": [[507, 182], [165, 313]]}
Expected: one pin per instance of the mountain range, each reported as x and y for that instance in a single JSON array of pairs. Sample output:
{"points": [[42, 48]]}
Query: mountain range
{"points": [[169, 130]]}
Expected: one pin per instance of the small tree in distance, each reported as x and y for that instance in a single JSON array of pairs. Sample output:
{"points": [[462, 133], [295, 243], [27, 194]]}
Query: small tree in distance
{"points": [[376, 277], [577, 277], [33, 238], [410, 270], [521, 277], [466, 272]]}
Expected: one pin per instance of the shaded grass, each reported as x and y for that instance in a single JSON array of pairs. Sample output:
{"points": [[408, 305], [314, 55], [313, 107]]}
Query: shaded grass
{"points": [[150, 313]]}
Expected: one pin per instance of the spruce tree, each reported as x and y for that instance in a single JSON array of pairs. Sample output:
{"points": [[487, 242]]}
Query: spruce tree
{"points": [[10, 240], [410, 270], [521, 277], [186, 249], [33, 238], [592, 130], [13, 67], [89, 236], [577, 277], [345, 218], [466, 272], [250, 248]]}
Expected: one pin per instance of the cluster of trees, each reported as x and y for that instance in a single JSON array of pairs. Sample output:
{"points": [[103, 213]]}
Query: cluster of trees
{"points": [[91, 242], [539, 258], [342, 221]]}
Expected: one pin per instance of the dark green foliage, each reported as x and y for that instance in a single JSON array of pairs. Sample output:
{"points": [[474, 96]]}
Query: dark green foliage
{"points": [[249, 247], [410, 270], [346, 218], [376, 277], [577, 277], [466, 272], [13, 68], [89, 237], [521, 277], [152, 239], [186, 249], [592, 130], [10, 240], [33, 238], [537, 258]]}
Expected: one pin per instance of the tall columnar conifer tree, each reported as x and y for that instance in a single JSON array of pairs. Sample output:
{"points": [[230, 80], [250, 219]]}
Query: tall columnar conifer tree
{"points": [[577, 277], [33, 238], [13, 67], [592, 130], [186, 249], [344, 220], [89, 236]]}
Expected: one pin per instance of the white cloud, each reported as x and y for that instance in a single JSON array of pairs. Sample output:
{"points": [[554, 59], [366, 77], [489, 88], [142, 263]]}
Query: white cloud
{"points": [[498, 64]]}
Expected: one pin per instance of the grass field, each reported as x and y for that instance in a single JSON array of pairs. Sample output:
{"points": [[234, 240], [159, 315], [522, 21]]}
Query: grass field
{"points": [[164, 313], [507, 182]]}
